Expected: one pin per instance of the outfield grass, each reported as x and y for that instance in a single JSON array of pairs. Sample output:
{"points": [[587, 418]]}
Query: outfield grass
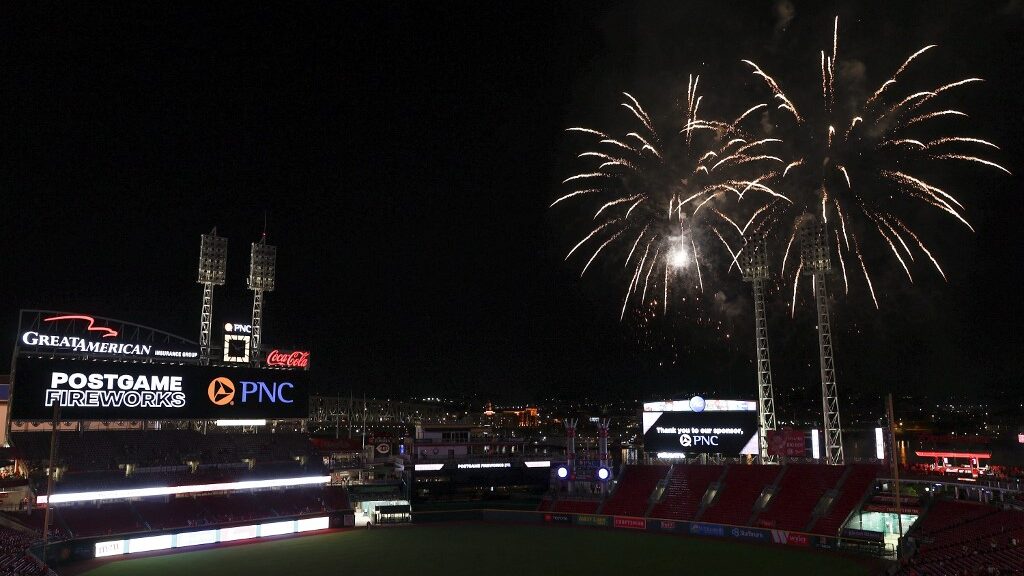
{"points": [[495, 550]]}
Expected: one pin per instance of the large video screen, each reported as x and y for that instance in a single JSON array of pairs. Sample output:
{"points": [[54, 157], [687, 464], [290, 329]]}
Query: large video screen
{"points": [[727, 433], [87, 390]]}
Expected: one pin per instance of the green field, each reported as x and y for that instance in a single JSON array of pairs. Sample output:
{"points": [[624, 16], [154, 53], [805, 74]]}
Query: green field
{"points": [[495, 550]]}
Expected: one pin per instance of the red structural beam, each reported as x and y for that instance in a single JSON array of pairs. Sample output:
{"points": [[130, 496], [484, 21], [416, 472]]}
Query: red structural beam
{"points": [[978, 455]]}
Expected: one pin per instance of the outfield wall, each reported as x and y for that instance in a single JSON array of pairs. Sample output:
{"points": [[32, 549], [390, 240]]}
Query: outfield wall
{"points": [[704, 529], [77, 549]]}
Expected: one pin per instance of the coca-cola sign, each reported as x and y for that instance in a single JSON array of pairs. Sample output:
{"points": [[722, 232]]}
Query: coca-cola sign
{"points": [[292, 359]]}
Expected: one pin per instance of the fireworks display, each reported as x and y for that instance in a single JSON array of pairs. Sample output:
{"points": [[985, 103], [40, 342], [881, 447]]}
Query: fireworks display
{"points": [[659, 197], [664, 201], [859, 165]]}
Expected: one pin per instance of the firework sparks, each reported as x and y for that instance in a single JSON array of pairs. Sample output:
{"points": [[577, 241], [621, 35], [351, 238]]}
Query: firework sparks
{"points": [[646, 193], [880, 152]]}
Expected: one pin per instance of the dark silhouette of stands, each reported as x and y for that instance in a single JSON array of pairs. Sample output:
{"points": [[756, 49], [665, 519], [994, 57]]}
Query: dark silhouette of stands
{"points": [[632, 496], [966, 538], [798, 497]]}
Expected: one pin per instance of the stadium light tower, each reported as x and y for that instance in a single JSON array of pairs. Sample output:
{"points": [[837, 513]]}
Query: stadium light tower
{"points": [[213, 263], [755, 271], [262, 274], [570, 450], [602, 441], [817, 263]]}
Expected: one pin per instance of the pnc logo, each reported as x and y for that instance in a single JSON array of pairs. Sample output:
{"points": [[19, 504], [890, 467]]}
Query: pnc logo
{"points": [[221, 391], [685, 440]]}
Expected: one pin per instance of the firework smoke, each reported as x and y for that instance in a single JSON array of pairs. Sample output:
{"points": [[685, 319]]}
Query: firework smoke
{"points": [[658, 197], [855, 169]]}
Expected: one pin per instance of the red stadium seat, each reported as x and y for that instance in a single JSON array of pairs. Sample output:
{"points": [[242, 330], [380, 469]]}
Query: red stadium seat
{"points": [[857, 483], [632, 496], [740, 488], [800, 490], [686, 487], [959, 537]]}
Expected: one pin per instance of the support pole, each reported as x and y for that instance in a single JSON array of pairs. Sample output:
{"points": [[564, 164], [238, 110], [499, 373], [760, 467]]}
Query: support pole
{"points": [[257, 328], [895, 466], [570, 450], [602, 441], [205, 323], [262, 278], [50, 474], [755, 271], [829, 393], [213, 257], [816, 262]]}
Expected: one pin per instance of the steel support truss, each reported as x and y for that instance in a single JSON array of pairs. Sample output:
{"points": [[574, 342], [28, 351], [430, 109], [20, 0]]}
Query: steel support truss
{"points": [[755, 271], [257, 327], [816, 262], [205, 323]]}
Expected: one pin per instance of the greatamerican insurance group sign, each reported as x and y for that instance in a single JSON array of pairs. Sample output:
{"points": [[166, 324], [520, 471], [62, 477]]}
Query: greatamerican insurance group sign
{"points": [[71, 334], [98, 390]]}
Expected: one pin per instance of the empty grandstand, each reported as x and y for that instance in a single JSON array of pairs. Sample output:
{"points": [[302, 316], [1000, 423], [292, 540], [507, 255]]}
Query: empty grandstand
{"points": [[632, 496], [686, 490], [958, 538]]}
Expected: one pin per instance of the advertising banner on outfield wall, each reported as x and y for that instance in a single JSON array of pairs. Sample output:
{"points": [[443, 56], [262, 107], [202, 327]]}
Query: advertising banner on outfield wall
{"points": [[753, 534], [790, 538], [558, 518], [657, 525], [87, 390], [630, 523], [868, 535], [593, 520], [698, 529]]}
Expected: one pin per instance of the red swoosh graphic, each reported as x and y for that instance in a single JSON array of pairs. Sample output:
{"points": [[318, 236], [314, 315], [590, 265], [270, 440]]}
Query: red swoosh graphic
{"points": [[110, 332]]}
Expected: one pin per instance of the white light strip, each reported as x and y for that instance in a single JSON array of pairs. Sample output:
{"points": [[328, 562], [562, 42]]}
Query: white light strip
{"points": [[485, 465], [879, 444], [429, 467], [538, 464], [815, 447], [185, 539], [241, 422], [169, 490]]}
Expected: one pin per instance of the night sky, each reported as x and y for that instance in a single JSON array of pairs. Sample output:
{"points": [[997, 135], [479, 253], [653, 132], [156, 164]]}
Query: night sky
{"points": [[404, 156]]}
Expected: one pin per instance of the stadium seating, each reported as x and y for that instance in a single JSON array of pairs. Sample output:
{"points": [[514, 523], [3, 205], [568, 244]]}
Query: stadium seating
{"points": [[336, 498], [294, 502], [740, 488], [800, 490], [686, 487], [235, 507], [860, 478], [114, 518], [175, 513], [106, 450], [14, 561], [957, 538], [632, 496], [946, 514]]}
